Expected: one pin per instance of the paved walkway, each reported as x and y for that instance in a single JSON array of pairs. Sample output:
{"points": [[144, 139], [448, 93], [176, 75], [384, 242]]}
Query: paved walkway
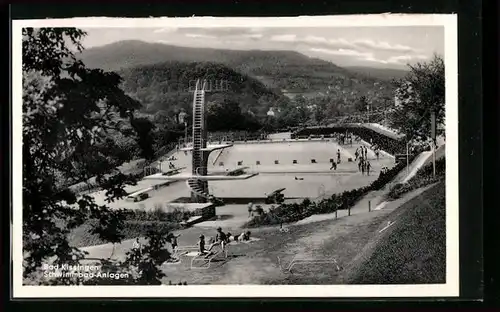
{"points": [[374, 198]]}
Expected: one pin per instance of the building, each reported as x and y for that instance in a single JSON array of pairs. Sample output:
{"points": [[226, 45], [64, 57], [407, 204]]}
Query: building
{"points": [[271, 112], [182, 117]]}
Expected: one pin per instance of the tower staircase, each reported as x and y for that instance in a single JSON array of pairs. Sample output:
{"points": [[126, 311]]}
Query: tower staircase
{"points": [[199, 188]]}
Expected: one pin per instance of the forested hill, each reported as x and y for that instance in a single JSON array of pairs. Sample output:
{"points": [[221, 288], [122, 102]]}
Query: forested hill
{"points": [[132, 53], [379, 73], [286, 71], [164, 87]]}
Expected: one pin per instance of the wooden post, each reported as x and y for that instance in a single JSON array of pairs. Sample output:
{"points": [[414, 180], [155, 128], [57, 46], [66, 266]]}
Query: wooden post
{"points": [[349, 211], [336, 211], [369, 205], [433, 142], [407, 159]]}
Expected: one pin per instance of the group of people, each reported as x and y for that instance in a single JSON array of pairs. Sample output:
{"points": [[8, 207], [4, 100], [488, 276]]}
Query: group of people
{"points": [[335, 163], [363, 164], [361, 153], [171, 165], [221, 240], [344, 138]]}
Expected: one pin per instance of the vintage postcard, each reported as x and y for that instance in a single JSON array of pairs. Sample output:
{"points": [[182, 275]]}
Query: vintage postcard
{"points": [[235, 157]]}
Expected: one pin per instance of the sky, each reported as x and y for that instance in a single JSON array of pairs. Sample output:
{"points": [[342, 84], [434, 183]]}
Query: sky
{"points": [[382, 47]]}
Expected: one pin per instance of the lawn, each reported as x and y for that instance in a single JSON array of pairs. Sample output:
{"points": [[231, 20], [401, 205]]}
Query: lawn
{"points": [[413, 250]]}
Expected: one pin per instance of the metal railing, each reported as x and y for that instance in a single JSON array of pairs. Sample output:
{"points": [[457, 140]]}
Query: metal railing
{"points": [[296, 261]]}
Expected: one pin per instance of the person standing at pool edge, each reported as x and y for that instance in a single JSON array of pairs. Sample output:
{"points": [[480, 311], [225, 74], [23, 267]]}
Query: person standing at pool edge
{"points": [[334, 166], [338, 156]]}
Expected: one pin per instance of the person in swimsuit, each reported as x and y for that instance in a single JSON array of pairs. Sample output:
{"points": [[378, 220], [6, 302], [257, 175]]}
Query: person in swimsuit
{"points": [[220, 240]]}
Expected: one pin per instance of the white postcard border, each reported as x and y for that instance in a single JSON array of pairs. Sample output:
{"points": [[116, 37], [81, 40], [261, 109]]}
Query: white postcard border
{"points": [[450, 289]]}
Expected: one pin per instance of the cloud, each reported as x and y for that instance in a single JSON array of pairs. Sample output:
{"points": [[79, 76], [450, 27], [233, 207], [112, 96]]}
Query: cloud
{"points": [[401, 59], [343, 52], [220, 31], [163, 41], [342, 43], [396, 60], [370, 57], [339, 43], [199, 36], [165, 30], [253, 36], [382, 45], [284, 38]]}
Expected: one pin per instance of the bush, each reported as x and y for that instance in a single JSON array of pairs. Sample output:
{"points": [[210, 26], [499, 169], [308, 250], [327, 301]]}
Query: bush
{"points": [[422, 178], [286, 213], [158, 214], [259, 210], [387, 176]]}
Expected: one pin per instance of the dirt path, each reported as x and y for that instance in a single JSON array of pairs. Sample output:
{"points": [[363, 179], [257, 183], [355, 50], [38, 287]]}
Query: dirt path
{"points": [[257, 263]]}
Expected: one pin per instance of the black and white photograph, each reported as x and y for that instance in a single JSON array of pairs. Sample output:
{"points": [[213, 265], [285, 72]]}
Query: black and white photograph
{"points": [[235, 155]]}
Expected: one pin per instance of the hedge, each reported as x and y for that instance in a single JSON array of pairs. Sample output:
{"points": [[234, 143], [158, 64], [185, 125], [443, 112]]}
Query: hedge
{"points": [[158, 214], [423, 178], [287, 213]]}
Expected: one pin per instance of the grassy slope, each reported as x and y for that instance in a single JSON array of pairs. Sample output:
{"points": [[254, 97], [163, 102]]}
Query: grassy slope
{"points": [[413, 250], [81, 236]]}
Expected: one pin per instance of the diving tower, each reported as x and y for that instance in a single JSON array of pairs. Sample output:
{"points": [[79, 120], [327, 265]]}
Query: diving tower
{"points": [[197, 180]]}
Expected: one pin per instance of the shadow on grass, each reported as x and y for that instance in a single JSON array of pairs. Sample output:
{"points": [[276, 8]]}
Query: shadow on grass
{"points": [[222, 217], [228, 258]]}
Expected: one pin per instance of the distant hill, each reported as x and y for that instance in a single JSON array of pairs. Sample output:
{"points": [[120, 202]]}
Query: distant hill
{"points": [[164, 87], [282, 71], [378, 73]]}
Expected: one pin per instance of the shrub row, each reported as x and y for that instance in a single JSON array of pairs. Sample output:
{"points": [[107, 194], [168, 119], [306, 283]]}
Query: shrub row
{"points": [[423, 178], [158, 214], [286, 213]]}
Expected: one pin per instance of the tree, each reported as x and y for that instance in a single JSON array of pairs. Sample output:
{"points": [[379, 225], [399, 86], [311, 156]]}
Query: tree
{"points": [[362, 104], [224, 115], [144, 129], [70, 114], [421, 92]]}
